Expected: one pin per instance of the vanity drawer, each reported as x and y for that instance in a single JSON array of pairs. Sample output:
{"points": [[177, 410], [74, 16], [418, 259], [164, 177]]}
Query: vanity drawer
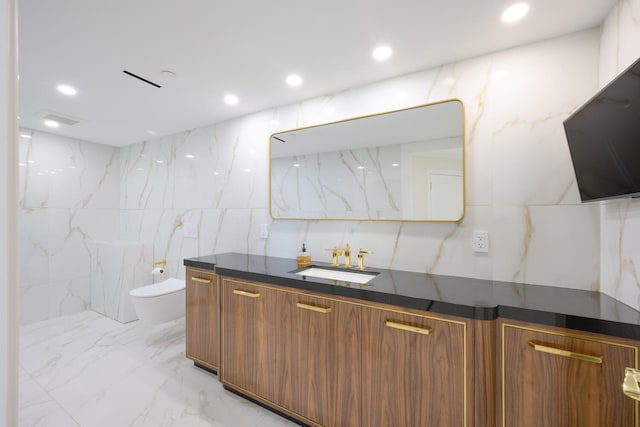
{"points": [[561, 377]]}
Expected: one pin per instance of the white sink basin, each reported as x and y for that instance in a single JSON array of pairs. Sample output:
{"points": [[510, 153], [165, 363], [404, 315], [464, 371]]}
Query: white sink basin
{"points": [[341, 275]]}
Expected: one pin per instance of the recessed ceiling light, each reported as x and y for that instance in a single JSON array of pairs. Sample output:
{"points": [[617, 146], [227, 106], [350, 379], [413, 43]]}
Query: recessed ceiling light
{"points": [[514, 13], [160, 161], [498, 75], [67, 90], [24, 135], [51, 123], [382, 53], [294, 80], [190, 156], [231, 99]]}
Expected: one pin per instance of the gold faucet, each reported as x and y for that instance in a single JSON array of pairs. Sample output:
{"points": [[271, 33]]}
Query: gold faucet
{"points": [[347, 256], [163, 263], [361, 254], [335, 253]]}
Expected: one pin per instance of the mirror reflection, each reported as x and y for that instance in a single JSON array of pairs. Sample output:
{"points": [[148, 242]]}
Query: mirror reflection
{"points": [[403, 165]]}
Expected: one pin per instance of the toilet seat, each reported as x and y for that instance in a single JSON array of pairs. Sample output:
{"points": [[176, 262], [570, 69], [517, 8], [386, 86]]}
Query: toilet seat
{"points": [[166, 287]]}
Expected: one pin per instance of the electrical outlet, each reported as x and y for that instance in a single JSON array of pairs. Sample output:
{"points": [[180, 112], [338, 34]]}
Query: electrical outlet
{"points": [[480, 241]]}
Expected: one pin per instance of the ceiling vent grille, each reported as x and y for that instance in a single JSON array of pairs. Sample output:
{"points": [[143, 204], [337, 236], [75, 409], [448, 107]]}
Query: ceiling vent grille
{"points": [[149, 82], [60, 118]]}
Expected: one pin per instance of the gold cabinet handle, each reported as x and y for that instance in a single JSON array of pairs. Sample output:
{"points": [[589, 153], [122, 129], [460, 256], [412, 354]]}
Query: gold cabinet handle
{"points": [[631, 384], [246, 293], [200, 280], [565, 353], [409, 328], [324, 310]]}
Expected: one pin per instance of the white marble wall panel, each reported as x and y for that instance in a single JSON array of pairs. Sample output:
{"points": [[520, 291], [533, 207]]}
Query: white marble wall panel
{"points": [[66, 173], [619, 39], [160, 228], [219, 230], [620, 219], [68, 197], [620, 257], [116, 268], [537, 242]]}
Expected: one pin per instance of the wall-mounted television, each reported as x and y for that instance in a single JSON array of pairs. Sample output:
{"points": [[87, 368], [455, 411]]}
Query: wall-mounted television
{"points": [[604, 140]]}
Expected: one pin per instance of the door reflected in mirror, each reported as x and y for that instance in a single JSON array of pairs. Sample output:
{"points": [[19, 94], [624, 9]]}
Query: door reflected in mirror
{"points": [[403, 165]]}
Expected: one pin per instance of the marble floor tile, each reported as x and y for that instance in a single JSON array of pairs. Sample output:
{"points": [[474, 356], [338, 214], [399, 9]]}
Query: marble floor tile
{"points": [[38, 408], [86, 370]]}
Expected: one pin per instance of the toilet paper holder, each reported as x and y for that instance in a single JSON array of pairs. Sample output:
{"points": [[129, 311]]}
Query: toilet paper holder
{"points": [[158, 267]]}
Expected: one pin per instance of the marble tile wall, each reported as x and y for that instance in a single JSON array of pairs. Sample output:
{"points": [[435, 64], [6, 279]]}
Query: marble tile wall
{"points": [[620, 219], [68, 199], [116, 268], [519, 182]]}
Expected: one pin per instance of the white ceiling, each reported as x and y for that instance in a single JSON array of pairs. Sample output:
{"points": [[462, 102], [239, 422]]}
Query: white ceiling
{"points": [[246, 47]]}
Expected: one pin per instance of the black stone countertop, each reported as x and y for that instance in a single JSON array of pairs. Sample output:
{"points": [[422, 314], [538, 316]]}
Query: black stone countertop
{"points": [[458, 296]]}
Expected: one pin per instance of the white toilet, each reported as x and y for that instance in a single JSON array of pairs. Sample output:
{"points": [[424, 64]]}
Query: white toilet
{"points": [[160, 302]]}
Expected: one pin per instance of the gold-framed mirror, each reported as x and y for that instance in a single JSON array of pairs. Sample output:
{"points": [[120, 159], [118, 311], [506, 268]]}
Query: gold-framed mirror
{"points": [[401, 165]]}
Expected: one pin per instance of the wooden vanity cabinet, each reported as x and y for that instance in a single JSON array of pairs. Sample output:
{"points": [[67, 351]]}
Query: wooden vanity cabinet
{"points": [[291, 350], [333, 362], [415, 372], [248, 338], [202, 326], [321, 358], [560, 377]]}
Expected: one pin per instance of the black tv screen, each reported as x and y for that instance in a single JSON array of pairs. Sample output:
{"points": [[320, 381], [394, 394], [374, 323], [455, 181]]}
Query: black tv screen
{"points": [[604, 140]]}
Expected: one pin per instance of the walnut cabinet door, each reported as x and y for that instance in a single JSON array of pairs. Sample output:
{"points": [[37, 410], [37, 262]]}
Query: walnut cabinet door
{"points": [[202, 327]]}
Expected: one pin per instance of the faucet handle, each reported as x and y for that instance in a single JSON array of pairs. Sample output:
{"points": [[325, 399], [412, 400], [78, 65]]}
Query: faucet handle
{"points": [[334, 250], [361, 254], [335, 253]]}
